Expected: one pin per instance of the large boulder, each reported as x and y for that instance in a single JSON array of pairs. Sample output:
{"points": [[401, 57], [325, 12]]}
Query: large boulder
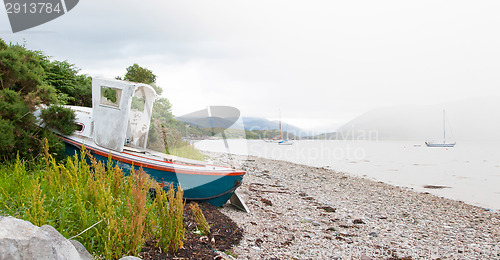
{"points": [[19, 239]]}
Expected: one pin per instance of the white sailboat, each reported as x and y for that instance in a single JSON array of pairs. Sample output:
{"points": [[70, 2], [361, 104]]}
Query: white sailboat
{"points": [[282, 141], [444, 143]]}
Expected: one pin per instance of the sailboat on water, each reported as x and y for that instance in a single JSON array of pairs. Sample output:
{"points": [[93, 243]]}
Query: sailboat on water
{"points": [[279, 140], [282, 141], [444, 143]]}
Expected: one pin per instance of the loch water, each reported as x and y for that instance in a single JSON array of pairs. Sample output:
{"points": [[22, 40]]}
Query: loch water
{"points": [[468, 172]]}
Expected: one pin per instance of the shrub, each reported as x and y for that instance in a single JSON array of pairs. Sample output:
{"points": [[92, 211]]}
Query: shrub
{"points": [[170, 208], [22, 89], [18, 132], [59, 118], [202, 223]]}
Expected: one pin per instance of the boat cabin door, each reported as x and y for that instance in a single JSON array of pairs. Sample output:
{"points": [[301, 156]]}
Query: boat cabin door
{"points": [[139, 119], [111, 101]]}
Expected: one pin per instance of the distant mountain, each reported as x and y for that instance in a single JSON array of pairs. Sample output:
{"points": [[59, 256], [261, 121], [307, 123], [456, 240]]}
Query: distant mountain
{"points": [[474, 119], [258, 123], [228, 121]]}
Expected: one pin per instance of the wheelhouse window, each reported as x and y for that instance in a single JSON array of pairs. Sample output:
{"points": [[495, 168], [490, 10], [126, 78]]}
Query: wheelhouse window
{"points": [[110, 96]]}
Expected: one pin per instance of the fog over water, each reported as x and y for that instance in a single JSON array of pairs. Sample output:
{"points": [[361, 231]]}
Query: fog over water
{"points": [[473, 119], [470, 170]]}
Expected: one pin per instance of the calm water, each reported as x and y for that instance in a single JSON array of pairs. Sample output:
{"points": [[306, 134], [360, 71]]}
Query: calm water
{"points": [[471, 170]]}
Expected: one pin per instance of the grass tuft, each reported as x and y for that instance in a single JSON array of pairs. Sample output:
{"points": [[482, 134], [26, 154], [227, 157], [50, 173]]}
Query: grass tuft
{"points": [[170, 208], [202, 223]]}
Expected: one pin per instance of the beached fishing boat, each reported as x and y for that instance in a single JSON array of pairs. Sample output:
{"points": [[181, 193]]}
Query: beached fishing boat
{"points": [[444, 143], [117, 127]]}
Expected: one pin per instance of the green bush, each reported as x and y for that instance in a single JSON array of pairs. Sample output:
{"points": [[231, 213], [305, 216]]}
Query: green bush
{"points": [[23, 87], [18, 132], [201, 221], [170, 208], [59, 118], [72, 89]]}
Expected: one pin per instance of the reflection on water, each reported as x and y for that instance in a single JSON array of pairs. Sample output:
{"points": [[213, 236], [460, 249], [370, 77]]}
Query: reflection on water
{"points": [[470, 169]]}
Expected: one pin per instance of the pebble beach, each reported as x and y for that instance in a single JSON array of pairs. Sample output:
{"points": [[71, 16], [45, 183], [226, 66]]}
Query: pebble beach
{"points": [[303, 212]]}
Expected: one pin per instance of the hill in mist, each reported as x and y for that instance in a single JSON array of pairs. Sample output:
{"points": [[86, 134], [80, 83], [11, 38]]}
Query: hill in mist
{"points": [[474, 119], [259, 124]]}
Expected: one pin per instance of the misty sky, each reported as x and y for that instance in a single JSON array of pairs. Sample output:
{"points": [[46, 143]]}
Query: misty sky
{"points": [[320, 62]]}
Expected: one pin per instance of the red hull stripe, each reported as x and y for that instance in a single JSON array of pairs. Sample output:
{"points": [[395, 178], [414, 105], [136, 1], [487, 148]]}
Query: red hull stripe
{"points": [[162, 161], [176, 163], [152, 166]]}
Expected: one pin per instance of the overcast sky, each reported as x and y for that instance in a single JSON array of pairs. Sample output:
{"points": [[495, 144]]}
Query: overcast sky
{"points": [[320, 62]]}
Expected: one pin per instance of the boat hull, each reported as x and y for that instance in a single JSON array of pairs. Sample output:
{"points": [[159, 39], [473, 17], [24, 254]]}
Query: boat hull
{"points": [[440, 145], [198, 183]]}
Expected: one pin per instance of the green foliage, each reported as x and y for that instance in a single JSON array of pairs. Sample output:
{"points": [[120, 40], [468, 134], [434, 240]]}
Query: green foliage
{"points": [[44, 94], [162, 115], [73, 196], [201, 221], [186, 150], [251, 135], [21, 69], [176, 146], [170, 207], [13, 108], [18, 132], [36, 213], [29, 79], [138, 103], [162, 110], [3, 45], [7, 137], [136, 73], [109, 94], [59, 118], [72, 89]]}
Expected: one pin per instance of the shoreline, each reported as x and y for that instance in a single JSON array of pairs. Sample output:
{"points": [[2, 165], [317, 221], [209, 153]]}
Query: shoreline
{"points": [[304, 212]]}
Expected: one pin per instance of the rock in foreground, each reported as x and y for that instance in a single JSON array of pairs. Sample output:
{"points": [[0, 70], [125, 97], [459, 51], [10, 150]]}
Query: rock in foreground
{"points": [[19, 239]]}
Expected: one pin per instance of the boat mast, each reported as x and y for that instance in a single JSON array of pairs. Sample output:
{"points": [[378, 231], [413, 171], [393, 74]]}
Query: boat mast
{"points": [[444, 128], [280, 125]]}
